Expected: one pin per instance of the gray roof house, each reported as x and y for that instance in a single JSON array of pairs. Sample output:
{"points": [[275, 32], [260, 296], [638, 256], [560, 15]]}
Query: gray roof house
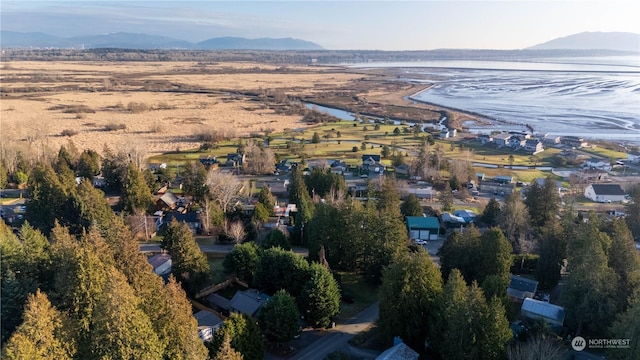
{"points": [[161, 264], [208, 323], [399, 351], [521, 287], [248, 302], [550, 313], [604, 192]]}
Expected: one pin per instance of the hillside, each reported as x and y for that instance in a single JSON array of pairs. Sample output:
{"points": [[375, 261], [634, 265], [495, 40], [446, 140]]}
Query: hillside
{"points": [[619, 41]]}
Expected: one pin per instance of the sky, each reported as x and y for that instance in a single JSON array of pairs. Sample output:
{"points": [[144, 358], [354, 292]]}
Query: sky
{"points": [[336, 25]]}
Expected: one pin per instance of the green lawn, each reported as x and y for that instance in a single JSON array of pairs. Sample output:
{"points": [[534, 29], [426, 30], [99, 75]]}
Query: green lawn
{"points": [[360, 291], [215, 263]]}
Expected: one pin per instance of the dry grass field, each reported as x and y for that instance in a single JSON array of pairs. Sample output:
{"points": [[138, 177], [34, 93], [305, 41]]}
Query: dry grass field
{"points": [[159, 106]]}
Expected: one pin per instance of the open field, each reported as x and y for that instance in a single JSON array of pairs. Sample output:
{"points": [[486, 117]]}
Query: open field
{"points": [[164, 106], [160, 106]]}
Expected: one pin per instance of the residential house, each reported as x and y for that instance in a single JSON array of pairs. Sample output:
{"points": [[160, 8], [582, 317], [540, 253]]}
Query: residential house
{"points": [[533, 146], [423, 228], [448, 133], [501, 179], [277, 187], [99, 181], [550, 313], [235, 160], [468, 215], [501, 139], [399, 351], [604, 192], [168, 201], [485, 139], [372, 163], [540, 182], [600, 164], [573, 141], [402, 169], [521, 288], [161, 264], [551, 139], [208, 161], [218, 302], [248, 302], [516, 141], [339, 167], [208, 323], [192, 220], [452, 221]]}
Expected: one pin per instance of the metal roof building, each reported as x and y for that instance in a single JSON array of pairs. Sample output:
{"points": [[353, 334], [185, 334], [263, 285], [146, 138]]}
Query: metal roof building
{"points": [[534, 309]]}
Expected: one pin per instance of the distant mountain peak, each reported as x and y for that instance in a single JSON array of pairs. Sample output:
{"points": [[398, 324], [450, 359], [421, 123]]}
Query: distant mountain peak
{"points": [[126, 40], [619, 41]]}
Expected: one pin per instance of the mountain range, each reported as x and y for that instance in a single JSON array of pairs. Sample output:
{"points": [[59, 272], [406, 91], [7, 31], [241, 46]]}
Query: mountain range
{"points": [[619, 41], [616, 41], [13, 39]]}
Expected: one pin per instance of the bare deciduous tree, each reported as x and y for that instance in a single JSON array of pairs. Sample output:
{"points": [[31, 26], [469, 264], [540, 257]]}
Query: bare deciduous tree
{"points": [[258, 159], [236, 232], [224, 188]]}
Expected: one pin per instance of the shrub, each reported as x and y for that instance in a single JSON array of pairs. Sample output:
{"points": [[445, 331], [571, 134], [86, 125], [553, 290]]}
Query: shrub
{"points": [[69, 132], [137, 107], [114, 127]]}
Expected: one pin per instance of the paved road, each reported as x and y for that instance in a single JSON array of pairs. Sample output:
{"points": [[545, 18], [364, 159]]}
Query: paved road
{"points": [[339, 336]]}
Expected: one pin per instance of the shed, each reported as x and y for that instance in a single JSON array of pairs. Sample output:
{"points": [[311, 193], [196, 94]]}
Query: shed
{"points": [[208, 323], [423, 228], [218, 301], [604, 192], [502, 179], [521, 287], [550, 313]]}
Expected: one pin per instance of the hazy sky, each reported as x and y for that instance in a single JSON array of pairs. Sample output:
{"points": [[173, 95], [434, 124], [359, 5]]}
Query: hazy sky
{"points": [[384, 25]]}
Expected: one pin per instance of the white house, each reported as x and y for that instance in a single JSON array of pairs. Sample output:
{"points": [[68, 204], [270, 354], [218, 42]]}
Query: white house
{"points": [[208, 323], [600, 164], [533, 146], [604, 192]]}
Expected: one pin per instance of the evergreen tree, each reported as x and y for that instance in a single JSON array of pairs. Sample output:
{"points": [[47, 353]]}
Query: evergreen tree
{"points": [[276, 238], [411, 206], [625, 261], [491, 212], [495, 256], [41, 335], [388, 197], [446, 197], [281, 269], [245, 335], [627, 326], [553, 251], [181, 327], [320, 297], [136, 194], [514, 220], [243, 260], [299, 195], [410, 286], [632, 211], [260, 214], [119, 328], [194, 179], [89, 164], [85, 206], [466, 326], [589, 296], [226, 352], [542, 202], [189, 263], [15, 291], [460, 251], [46, 199], [266, 198], [279, 319]]}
